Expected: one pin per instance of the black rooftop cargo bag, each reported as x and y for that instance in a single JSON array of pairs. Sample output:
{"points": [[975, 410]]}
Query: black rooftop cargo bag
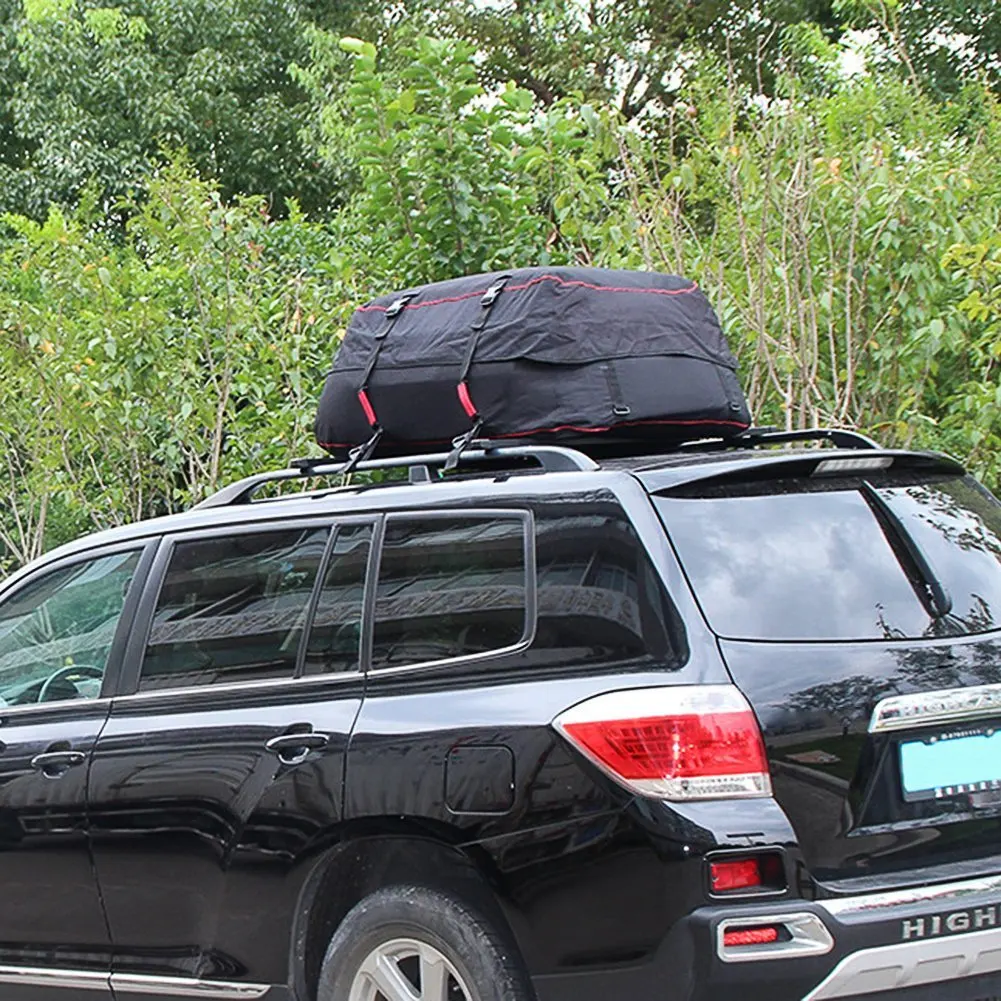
{"points": [[591, 358]]}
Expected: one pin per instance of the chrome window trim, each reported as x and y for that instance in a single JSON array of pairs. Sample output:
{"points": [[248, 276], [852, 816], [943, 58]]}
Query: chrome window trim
{"points": [[59, 704], [923, 709], [527, 517], [235, 686]]}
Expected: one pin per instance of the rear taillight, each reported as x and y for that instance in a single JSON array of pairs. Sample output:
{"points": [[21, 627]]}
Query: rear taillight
{"points": [[680, 743]]}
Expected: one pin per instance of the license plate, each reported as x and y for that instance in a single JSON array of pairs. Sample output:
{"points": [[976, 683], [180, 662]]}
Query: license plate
{"points": [[952, 764]]}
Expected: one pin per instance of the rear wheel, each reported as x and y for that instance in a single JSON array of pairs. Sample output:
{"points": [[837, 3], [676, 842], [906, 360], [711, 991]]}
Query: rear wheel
{"points": [[413, 944]]}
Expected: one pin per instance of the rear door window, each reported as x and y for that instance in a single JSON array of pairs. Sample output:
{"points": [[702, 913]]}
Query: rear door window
{"points": [[809, 560], [232, 608], [452, 586]]}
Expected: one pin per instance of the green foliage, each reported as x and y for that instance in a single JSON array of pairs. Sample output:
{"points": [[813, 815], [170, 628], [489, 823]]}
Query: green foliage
{"points": [[95, 93], [135, 373], [628, 54], [974, 402], [937, 44], [845, 227]]}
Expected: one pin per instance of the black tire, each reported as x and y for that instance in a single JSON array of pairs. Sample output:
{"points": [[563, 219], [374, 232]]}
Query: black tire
{"points": [[483, 959]]}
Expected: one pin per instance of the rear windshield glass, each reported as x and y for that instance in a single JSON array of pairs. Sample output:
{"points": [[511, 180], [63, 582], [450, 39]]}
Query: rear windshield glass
{"points": [[810, 560]]}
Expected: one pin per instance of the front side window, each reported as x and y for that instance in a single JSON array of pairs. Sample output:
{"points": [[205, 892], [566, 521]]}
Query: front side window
{"points": [[56, 633], [448, 587], [232, 608]]}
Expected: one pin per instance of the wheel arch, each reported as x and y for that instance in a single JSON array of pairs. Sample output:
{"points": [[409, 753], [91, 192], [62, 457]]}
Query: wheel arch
{"points": [[382, 852]]}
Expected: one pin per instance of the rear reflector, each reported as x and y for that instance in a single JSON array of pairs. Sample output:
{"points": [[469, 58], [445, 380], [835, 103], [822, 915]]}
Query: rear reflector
{"points": [[750, 936], [679, 743], [729, 876], [764, 871]]}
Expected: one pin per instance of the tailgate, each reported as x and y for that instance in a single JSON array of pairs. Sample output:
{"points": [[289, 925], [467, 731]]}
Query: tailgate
{"points": [[922, 788], [832, 589]]}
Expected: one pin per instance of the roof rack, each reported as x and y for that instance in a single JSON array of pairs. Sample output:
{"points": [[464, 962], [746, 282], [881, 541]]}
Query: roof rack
{"points": [[549, 459], [839, 437]]}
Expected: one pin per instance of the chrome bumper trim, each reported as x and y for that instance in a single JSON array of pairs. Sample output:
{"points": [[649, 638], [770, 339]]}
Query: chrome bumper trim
{"points": [[807, 937], [912, 964], [945, 895]]}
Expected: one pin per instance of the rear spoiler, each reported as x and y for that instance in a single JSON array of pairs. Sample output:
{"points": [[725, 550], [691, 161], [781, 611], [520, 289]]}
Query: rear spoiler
{"points": [[815, 463]]}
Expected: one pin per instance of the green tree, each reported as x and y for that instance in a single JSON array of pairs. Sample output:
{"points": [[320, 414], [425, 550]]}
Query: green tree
{"points": [[98, 92], [938, 44]]}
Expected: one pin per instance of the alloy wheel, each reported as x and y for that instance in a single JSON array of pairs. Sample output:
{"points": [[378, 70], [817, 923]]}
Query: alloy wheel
{"points": [[407, 970]]}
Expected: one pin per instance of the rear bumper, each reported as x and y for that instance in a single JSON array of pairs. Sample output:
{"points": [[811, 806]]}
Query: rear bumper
{"points": [[936, 943]]}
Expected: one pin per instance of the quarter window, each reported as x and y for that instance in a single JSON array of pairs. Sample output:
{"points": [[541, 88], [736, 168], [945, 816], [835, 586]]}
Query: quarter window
{"points": [[600, 600], [450, 587], [232, 609], [56, 633]]}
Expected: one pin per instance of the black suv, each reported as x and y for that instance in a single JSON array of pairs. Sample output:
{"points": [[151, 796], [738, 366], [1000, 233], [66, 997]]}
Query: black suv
{"points": [[719, 725]]}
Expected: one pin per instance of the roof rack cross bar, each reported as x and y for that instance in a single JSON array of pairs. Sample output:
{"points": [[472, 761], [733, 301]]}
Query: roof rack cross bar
{"points": [[551, 459]]}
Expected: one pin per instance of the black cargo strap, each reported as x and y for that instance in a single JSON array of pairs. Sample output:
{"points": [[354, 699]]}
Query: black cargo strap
{"points": [[487, 304], [460, 444], [392, 313], [619, 407], [359, 454]]}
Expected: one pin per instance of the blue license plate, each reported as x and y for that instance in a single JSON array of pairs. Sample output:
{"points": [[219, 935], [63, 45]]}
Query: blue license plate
{"points": [[952, 764]]}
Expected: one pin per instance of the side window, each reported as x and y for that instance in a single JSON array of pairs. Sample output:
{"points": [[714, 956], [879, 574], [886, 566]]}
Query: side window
{"points": [[56, 633], [600, 599], [232, 609], [335, 637], [450, 587]]}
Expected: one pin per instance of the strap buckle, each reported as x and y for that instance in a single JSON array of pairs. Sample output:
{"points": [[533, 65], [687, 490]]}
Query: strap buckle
{"points": [[392, 312], [490, 296], [360, 453]]}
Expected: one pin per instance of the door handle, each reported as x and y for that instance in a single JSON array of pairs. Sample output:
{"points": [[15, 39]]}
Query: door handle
{"points": [[293, 747], [52, 764]]}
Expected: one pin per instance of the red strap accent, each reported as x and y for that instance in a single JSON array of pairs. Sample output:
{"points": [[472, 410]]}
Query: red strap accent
{"points": [[366, 405], [467, 401]]}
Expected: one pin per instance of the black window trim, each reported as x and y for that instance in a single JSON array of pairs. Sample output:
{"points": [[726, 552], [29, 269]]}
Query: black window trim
{"points": [[524, 515], [129, 682], [146, 547]]}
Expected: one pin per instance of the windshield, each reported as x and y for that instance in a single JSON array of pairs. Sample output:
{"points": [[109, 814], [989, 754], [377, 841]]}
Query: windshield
{"points": [[811, 560]]}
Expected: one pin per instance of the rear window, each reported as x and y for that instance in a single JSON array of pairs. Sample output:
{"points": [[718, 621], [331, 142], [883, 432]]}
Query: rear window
{"points": [[810, 560]]}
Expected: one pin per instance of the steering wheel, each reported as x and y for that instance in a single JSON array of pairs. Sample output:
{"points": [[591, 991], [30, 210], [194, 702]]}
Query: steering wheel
{"points": [[64, 672]]}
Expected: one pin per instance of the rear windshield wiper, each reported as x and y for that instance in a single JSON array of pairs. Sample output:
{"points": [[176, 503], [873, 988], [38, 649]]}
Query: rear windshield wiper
{"points": [[930, 591]]}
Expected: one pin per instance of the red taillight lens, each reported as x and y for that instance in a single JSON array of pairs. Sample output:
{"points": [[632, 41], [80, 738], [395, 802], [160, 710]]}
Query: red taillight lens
{"points": [[729, 876], [686, 742], [750, 936]]}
